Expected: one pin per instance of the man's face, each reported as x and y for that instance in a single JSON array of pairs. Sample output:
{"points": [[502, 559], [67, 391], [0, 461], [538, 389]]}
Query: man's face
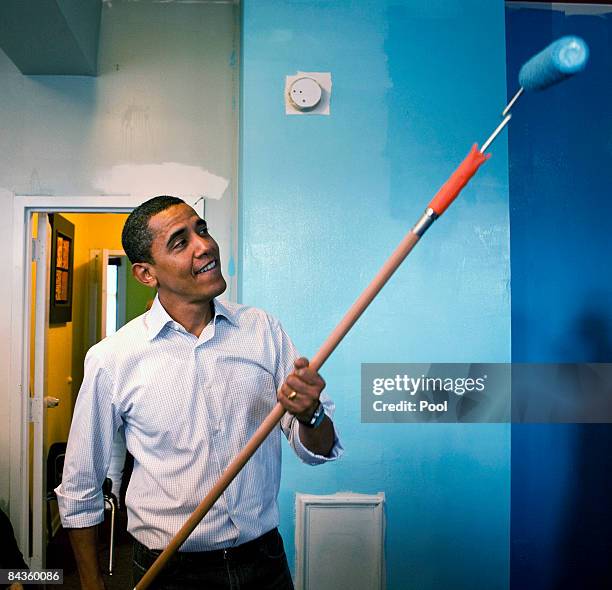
{"points": [[186, 266]]}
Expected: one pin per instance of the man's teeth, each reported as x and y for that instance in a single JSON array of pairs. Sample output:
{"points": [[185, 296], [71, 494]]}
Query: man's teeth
{"points": [[208, 267]]}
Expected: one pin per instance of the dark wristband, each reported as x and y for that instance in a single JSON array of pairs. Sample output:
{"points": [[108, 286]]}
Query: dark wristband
{"points": [[315, 420]]}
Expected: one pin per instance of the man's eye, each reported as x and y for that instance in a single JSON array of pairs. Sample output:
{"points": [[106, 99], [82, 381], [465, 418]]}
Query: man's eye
{"points": [[203, 230], [179, 244]]}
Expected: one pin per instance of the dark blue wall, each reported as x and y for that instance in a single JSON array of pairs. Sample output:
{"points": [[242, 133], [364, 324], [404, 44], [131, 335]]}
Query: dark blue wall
{"points": [[560, 153]]}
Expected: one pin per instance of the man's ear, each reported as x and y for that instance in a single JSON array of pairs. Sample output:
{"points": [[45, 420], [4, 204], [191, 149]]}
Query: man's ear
{"points": [[144, 273]]}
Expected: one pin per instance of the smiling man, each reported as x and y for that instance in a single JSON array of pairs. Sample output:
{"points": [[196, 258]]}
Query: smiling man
{"points": [[190, 381]]}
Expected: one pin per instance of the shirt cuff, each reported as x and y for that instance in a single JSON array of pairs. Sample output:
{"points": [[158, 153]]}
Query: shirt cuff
{"points": [[308, 456], [79, 513]]}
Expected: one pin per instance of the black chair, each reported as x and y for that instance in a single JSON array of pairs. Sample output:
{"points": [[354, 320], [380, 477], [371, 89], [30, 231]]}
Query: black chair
{"points": [[55, 468]]}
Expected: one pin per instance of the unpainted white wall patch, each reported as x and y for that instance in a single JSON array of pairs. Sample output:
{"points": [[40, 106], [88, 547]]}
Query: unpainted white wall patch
{"points": [[569, 8], [169, 178], [302, 82]]}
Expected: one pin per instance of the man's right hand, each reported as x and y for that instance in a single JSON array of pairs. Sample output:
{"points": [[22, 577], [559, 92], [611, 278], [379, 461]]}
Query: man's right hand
{"points": [[85, 547]]}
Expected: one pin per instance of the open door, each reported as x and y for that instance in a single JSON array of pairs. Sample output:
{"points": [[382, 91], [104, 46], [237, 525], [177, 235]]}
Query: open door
{"points": [[38, 392], [40, 523]]}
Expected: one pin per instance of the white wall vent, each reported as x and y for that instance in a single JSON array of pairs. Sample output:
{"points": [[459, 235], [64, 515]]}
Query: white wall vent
{"points": [[339, 542]]}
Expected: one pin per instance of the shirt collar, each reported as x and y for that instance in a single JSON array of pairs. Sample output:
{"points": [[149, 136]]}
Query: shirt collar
{"points": [[222, 310], [157, 317]]}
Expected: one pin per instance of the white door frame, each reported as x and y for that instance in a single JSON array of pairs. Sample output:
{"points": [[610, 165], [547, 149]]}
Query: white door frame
{"points": [[20, 414]]}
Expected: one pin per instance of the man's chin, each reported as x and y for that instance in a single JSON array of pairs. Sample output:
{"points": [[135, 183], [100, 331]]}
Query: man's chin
{"points": [[215, 290], [222, 287]]}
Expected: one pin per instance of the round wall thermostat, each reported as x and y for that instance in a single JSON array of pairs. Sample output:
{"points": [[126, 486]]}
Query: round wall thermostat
{"points": [[305, 94]]}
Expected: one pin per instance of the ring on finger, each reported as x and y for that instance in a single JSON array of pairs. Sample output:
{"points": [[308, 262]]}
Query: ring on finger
{"points": [[292, 395]]}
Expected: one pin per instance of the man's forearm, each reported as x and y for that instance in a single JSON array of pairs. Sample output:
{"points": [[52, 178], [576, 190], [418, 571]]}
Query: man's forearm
{"points": [[85, 547], [318, 440]]}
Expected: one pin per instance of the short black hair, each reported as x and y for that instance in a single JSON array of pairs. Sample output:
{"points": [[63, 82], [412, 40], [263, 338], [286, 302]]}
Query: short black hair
{"points": [[136, 236]]}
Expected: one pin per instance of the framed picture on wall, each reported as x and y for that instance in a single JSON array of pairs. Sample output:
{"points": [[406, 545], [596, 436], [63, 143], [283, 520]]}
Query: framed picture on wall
{"points": [[62, 269]]}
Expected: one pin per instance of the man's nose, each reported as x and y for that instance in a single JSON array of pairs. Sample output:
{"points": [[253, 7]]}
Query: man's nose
{"points": [[202, 245]]}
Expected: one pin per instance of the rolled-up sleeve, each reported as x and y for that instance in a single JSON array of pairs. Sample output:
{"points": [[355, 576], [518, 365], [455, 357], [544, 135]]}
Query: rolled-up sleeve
{"points": [[79, 496], [286, 355], [301, 451]]}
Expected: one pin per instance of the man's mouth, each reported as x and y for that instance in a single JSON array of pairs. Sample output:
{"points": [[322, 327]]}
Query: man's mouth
{"points": [[210, 266]]}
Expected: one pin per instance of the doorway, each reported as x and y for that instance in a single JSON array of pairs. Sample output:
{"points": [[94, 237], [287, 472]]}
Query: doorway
{"points": [[100, 295], [103, 297]]}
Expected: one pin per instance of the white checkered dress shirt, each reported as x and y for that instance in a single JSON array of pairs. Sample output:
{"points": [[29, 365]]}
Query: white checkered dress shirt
{"points": [[188, 405]]}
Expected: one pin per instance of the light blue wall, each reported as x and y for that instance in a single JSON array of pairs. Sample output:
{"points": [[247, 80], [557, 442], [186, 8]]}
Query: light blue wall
{"points": [[325, 200]]}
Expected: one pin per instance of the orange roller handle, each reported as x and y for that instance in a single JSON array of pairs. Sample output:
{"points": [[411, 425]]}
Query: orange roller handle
{"points": [[459, 178]]}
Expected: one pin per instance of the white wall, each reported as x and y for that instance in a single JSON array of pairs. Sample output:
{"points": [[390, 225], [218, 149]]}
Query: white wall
{"points": [[166, 92]]}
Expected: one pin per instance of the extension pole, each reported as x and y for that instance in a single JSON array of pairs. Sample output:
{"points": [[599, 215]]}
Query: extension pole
{"points": [[438, 205]]}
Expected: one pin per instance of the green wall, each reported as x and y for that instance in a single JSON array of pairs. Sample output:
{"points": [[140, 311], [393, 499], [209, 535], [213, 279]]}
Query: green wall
{"points": [[137, 295]]}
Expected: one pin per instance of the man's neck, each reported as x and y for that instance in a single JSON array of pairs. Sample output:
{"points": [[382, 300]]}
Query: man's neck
{"points": [[193, 316]]}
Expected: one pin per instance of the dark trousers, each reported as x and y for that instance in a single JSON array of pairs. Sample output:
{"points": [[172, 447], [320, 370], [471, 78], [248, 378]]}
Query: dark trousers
{"points": [[260, 564]]}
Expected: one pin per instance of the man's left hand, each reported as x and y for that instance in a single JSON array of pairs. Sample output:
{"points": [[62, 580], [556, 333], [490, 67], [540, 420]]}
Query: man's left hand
{"points": [[300, 392]]}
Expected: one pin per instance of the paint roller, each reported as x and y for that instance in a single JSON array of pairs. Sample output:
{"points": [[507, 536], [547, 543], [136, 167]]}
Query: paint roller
{"points": [[558, 61]]}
